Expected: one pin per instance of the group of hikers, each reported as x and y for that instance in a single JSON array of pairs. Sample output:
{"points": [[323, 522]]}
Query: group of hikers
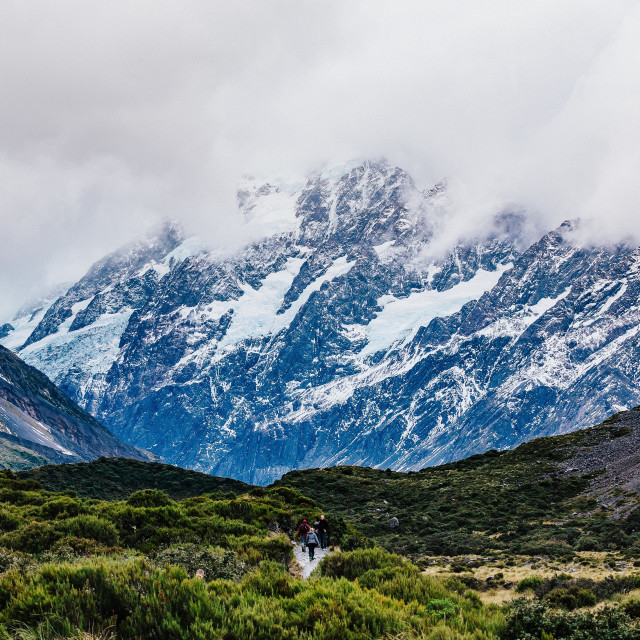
{"points": [[313, 536]]}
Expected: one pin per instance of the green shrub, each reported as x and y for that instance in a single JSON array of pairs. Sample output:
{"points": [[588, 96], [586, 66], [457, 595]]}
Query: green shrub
{"points": [[353, 564], [9, 520], [20, 497], [588, 543], [137, 600], [530, 619], [572, 598], [91, 527], [71, 548], [34, 537], [355, 540], [64, 507], [439, 609], [216, 563], [253, 550], [149, 498], [530, 583], [602, 589], [14, 560], [632, 608]]}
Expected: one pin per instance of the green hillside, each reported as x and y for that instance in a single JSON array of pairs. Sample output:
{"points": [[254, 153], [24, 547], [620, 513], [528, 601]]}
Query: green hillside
{"points": [[117, 478], [539, 542], [552, 496], [74, 567]]}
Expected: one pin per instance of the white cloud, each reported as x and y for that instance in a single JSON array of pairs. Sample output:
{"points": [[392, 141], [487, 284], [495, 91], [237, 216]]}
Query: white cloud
{"points": [[117, 113]]}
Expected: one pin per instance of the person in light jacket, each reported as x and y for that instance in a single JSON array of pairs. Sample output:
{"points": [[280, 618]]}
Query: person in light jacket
{"points": [[312, 543]]}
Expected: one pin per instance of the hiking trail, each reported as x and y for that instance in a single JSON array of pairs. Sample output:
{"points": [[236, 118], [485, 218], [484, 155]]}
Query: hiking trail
{"points": [[307, 565]]}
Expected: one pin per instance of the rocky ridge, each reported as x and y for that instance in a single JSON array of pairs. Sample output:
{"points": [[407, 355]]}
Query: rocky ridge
{"points": [[341, 337], [39, 424]]}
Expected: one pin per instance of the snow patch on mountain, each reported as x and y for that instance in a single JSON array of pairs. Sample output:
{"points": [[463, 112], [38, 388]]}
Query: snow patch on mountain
{"points": [[22, 328], [255, 310], [400, 318], [515, 324], [91, 349]]}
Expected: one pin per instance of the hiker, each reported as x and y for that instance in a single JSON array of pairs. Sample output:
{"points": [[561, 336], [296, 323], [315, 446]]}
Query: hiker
{"points": [[303, 532], [323, 530], [200, 574], [312, 543]]}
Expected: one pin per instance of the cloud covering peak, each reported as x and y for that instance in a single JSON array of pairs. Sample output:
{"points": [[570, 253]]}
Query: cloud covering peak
{"points": [[116, 114]]}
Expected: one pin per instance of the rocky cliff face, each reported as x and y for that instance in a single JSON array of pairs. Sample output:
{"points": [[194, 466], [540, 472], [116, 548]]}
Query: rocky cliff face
{"points": [[40, 424], [340, 339]]}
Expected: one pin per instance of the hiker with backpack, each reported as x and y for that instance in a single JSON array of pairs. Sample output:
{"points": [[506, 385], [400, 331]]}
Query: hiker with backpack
{"points": [[303, 532], [312, 543]]}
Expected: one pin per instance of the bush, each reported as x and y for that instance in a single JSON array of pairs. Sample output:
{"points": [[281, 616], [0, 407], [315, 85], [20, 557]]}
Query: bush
{"points": [[439, 609], [9, 521], [632, 608], [70, 548], [35, 537], [91, 527], [13, 560], [216, 563], [529, 584], [572, 598], [253, 550], [353, 541], [588, 543], [64, 506], [149, 498], [602, 589], [351, 565], [137, 600], [529, 620]]}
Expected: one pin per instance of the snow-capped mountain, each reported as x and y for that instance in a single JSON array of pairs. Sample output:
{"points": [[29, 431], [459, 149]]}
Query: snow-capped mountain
{"points": [[40, 424], [343, 337]]}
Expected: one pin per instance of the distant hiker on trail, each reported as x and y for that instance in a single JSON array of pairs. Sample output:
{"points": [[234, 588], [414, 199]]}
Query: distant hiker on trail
{"points": [[323, 530], [312, 543], [303, 532]]}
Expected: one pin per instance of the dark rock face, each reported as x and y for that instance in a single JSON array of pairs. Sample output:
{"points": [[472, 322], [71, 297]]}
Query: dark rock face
{"points": [[341, 339], [5, 330], [36, 417]]}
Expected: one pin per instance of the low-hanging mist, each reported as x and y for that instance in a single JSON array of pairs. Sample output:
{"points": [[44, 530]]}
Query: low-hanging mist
{"points": [[117, 115]]}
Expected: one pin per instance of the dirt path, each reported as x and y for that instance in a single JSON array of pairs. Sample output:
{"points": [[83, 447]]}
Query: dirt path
{"points": [[307, 565]]}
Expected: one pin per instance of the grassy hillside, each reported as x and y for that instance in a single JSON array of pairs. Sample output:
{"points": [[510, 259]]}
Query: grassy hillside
{"points": [[113, 552], [553, 496], [117, 478], [72, 567]]}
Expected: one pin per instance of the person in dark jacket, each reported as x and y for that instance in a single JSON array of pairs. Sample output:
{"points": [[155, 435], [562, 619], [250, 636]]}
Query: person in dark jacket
{"points": [[323, 530], [303, 532], [312, 543]]}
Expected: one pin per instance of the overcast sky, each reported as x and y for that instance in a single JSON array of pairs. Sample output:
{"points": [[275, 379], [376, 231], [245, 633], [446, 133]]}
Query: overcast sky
{"points": [[115, 114]]}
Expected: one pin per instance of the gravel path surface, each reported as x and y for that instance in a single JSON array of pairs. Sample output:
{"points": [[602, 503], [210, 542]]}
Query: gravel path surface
{"points": [[303, 559]]}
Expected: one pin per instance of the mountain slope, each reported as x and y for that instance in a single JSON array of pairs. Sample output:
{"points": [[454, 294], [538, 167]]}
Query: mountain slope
{"points": [[39, 423], [346, 335], [118, 478], [552, 496]]}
